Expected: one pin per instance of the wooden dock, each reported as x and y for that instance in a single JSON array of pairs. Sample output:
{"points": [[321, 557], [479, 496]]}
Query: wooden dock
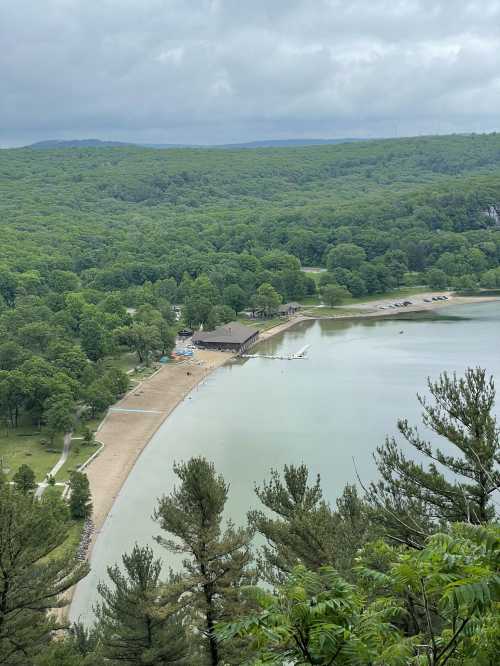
{"points": [[302, 353]]}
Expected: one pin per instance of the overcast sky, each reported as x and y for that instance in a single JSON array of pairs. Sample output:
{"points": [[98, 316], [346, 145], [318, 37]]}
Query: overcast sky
{"points": [[219, 71]]}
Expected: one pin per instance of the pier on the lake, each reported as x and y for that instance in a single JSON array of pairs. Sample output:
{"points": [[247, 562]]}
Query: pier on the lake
{"points": [[302, 353]]}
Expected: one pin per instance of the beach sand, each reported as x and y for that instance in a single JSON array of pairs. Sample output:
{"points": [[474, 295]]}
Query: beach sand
{"points": [[419, 303], [126, 433]]}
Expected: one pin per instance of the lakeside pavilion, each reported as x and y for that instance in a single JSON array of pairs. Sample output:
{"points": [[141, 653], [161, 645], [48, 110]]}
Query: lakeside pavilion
{"points": [[234, 337]]}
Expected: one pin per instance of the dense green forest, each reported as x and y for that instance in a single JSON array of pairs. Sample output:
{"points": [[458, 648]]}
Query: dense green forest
{"points": [[98, 243], [405, 574]]}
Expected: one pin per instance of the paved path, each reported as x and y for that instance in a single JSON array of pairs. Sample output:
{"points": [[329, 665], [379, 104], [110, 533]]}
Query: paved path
{"points": [[64, 456]]}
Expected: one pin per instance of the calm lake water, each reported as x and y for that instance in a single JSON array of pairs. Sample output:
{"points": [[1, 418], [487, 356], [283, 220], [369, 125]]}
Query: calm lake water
{"points": [[332, 408]]}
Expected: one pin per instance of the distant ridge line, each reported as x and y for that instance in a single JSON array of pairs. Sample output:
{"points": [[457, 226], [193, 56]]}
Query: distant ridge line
{"points": [[54, 144]]}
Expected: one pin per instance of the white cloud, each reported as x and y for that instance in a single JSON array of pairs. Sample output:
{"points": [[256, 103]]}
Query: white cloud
{"points": [[223, 70]]}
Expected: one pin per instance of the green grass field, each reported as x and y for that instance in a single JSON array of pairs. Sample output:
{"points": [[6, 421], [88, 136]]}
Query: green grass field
{"points": [[396, 293], [262, 324], [78, 454], [70, 544], [24, 446], [124, 361], [337, 311]]}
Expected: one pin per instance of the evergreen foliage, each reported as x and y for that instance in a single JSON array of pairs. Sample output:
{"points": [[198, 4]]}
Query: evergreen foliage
{"points": [[412, 500], [25, 480], [306, 530], [32, 578], [217, 561], [138, 619], [80, 502]]}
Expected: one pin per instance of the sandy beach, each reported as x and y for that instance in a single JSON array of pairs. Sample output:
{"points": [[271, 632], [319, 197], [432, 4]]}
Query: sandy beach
{"points": [[419, 302], [130, 424]]}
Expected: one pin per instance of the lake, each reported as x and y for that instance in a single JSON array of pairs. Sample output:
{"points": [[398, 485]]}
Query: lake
{"points": [[329, 410]]}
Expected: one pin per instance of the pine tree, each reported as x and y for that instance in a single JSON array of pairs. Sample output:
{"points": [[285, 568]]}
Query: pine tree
{"points": [[79, 647], [31, 577], [218, 561], [80, 503], [305, 529], [137, 618], [412, 500], [25, 480]]}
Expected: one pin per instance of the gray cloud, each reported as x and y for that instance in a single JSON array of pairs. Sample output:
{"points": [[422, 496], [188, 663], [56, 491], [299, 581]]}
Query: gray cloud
{"points": [[207, 71]]}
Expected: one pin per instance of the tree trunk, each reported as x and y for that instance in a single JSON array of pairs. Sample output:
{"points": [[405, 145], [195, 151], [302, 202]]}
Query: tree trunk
{"points": [[209, 616], [212, 641]]}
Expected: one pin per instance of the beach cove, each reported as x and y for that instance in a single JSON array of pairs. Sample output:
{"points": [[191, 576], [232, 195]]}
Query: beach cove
{"points": [[131, 423], [253, 414]]}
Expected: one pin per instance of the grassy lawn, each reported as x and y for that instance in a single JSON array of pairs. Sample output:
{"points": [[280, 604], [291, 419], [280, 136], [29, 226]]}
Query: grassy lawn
{"points": [[125, 361], [68, 547], [72, 541], [142, 373], [262, 324], [78, 454], [396, 293], [311, 300], [23, 446], [92, 424], [337, 311]]}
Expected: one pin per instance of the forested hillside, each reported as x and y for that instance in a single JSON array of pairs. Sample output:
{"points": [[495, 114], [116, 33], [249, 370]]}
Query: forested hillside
{"points": [[97, 243], [120, 217]]}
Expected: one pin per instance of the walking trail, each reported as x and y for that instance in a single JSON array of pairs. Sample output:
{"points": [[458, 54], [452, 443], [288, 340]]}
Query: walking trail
{"points": [[64, 457]]}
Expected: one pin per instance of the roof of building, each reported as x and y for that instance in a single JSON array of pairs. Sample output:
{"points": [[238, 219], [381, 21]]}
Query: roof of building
{"points": [[289, 306], [234, 332]]}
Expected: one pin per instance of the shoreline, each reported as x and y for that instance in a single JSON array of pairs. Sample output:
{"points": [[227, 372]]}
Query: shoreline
{"points": [[131, 423], [371, 310], [126, 430]]}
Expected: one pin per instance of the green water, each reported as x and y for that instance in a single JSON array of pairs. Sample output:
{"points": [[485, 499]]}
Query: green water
{"points": [[328, 410]]}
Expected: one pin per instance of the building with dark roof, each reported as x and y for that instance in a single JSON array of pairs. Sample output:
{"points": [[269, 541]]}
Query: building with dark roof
{"points": [[288, 309], [231, 337]]}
